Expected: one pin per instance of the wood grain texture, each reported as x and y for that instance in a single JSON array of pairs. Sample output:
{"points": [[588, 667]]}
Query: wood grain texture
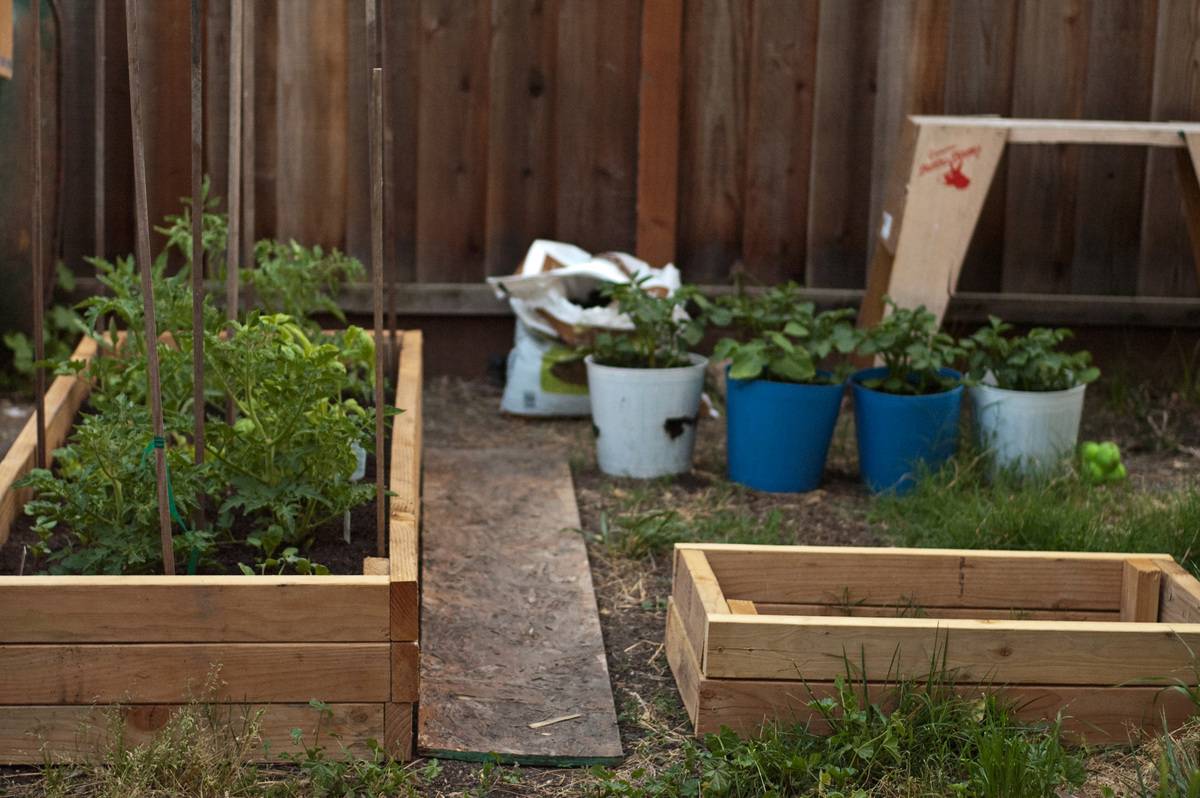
{"points": [[979, 73], [63, 400], [1095, 714], [510, 633], [406, 671], [697, 595], [399, 736], [172, 672], [520, 143], [913, 611], [659, 96], [1141, 583], [1001, 652], [1039, 237], [1166, 264], [921, 577], [716, 42], [311, 80], [29, 735], [1118, 83], [452, 140], [405, 485], [401, 35], [596, 132], [145, 609], [779, 138], [844, 109], [1180, 598]]}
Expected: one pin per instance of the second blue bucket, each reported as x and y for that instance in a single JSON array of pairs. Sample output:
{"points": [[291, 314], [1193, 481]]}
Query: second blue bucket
{"points": [[777, 433], [898, 435]]}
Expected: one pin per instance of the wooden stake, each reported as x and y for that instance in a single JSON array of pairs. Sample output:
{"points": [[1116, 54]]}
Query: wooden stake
{"points": [[197, 239], [141, 215], [376, 145], [388, 203], [100, 65], [248, 210], [36, 254], [233, 249]]}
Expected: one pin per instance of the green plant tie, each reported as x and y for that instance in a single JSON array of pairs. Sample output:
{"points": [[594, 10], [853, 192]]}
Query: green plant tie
{"points": [[159, 442]]}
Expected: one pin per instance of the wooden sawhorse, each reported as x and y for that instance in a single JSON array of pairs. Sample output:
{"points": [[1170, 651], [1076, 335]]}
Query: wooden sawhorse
{"points": [[941, 178]]}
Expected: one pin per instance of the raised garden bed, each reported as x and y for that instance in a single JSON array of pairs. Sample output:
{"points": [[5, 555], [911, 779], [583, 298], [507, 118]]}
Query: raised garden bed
{"points": [[70, 644], [756, 633]]}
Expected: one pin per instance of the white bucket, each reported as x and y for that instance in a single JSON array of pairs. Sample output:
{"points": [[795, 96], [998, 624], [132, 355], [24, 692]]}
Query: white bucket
{"points": [[645, 419], [1028, 430]]}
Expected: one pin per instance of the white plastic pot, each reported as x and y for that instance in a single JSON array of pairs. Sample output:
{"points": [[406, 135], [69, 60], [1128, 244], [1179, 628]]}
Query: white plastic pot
{"points": [[1027, 430], [645, 419]]}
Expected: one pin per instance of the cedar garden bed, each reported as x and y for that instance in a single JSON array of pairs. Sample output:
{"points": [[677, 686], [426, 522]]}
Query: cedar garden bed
{"points": [[70, 644], [756, 633]]}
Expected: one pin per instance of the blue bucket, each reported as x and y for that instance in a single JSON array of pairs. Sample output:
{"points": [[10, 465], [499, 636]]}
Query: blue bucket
{"points": [[899, 434], [777, 433]]}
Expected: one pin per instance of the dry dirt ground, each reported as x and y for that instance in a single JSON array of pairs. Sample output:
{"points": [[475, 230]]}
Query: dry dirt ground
{"points": [[1159, 435]]}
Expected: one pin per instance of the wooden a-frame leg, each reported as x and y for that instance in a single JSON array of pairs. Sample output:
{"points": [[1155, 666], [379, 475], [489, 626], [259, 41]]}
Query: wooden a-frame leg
{"points": [[1187, 161]]}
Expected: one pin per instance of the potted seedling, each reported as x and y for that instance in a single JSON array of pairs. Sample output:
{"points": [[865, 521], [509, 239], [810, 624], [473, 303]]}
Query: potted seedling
{"points": [[906, 411], [781, 406], [1027, 394], [645, 384]]}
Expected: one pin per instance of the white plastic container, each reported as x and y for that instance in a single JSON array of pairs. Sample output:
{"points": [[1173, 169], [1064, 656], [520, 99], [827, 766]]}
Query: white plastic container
{"points": [[1028, 430], [645, 419]]}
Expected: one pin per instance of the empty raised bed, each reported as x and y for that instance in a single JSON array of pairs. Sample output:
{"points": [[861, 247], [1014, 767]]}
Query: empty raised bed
{"points": [[70, 644], [756, 633]]}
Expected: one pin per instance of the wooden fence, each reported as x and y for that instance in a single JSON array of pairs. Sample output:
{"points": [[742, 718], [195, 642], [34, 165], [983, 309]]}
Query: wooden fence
{"points": [[512, 119]]}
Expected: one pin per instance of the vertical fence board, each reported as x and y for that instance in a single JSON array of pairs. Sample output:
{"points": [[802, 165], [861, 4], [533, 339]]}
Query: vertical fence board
{"points": [[1165, 265], [520, 163], [358, 188], [310, 191], [779, 128], [1118, 86], [216, 95], [712, 170], [400, 34], [78, 128], [595, 109], [1048, 74], [163, 50], [840, 191], [979, 81], [452, 140]]}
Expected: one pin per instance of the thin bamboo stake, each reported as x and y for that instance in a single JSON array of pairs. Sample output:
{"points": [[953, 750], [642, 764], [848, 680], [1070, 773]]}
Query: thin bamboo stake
{"points": [[233, 249], [99, 162], [142, 217], [248, 231], [36, 255], [197, 241], [376, 144]]}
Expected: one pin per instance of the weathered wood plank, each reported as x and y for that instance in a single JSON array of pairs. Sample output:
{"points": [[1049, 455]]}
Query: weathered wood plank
{"points": [[29, 735], [779, 138], [1039, 235], [510, 633], [596, 128], [520, 152], [659, 96], [716, 36], [155, 673], [1001, 652], [923, 577], [1166, 264], [839, 209], [151, 609], [452, 140]]}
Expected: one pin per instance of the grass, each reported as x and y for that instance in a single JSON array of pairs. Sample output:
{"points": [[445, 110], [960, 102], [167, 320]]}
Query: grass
{"points": [[959, 507], [923, 738]]}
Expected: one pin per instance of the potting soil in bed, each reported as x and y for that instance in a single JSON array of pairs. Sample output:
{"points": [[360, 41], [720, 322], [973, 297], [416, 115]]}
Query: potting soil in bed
{"points": [[329, 547]]}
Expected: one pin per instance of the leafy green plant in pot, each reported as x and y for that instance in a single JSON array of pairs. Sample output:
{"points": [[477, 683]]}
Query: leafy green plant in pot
{"points": [[645, 384], [906, 411], [781, 406], [1027, 394]]}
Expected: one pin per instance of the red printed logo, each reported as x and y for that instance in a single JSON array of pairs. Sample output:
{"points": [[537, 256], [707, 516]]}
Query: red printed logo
{"points": [[951, 159]]}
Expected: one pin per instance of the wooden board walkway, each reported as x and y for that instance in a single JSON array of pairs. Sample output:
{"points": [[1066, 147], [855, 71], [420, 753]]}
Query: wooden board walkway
{"points": [[512, 658]]}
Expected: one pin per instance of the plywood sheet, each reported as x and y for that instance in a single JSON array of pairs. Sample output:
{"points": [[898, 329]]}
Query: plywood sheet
{"points": [[511, 636]]}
